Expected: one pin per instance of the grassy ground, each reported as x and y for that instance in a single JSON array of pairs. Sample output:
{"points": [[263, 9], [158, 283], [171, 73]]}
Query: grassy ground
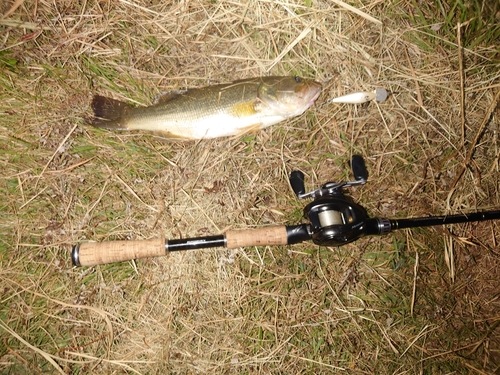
{"points": [[420, 301]]}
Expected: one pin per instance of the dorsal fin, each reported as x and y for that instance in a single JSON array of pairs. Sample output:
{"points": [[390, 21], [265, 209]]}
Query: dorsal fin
{"points": [[168, 96]]}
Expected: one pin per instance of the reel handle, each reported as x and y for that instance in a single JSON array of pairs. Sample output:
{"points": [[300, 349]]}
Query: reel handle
{"points": [[359, 168], [297, 183]]}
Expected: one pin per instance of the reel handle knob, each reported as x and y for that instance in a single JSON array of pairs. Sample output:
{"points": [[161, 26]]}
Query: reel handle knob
{"points": [[359, 168], [297, 182]]}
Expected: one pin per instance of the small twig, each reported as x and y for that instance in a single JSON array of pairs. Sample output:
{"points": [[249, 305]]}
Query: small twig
{"points": [[55, 153], [288, 48], [358, 12], [33, 197], [422, 332], [351, 270], [462, 79], [417, 86], [23, 25], [468, 159], [135, 194], [13, 8], [201, 210], [45, 355], [481, 342], [76, 165], [414, 292], [144, 9], [449, 257]]}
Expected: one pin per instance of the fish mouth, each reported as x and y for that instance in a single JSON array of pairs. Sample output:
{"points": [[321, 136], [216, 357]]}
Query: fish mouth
{"points": [[315, 92], [309, 97]]}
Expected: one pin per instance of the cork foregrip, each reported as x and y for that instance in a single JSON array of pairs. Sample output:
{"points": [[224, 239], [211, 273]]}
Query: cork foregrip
{"points": [[275, 235], [94, 253]]}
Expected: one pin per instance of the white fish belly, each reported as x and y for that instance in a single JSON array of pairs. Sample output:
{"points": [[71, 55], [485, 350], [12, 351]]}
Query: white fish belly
{"points": [[213, 126]]}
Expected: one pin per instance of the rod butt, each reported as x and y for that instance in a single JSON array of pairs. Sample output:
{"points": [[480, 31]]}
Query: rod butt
{"points": [[75, 255]]}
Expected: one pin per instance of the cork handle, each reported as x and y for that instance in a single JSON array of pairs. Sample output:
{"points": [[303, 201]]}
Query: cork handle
{"points": [[93, 253], [275, 235]]}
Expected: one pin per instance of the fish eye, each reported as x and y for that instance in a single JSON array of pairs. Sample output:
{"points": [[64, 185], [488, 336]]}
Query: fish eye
{"points": [[297, 79]]}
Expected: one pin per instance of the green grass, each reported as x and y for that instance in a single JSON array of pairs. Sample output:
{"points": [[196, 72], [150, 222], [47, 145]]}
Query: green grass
{"points": [[437, 23]]}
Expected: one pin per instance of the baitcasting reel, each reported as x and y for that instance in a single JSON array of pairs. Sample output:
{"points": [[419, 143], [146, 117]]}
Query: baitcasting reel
{"points": [[335, 219]]}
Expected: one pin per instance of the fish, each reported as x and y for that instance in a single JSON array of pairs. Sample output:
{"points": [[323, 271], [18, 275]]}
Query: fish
{"points": [[222, 110]]}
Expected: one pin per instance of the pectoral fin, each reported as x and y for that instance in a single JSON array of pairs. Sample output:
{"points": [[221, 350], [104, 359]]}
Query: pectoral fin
{"points": [[167, 136]]}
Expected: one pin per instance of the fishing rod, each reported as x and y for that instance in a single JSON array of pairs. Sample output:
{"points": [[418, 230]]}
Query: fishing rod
{"points": [[334, 219]]}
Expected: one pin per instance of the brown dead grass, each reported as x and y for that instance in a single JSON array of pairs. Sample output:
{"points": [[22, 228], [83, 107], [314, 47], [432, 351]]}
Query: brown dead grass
{"points": [[398, 304]]}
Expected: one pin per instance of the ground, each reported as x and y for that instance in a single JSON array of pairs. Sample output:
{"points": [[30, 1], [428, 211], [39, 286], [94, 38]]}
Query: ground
{"points": [[417, 301]]}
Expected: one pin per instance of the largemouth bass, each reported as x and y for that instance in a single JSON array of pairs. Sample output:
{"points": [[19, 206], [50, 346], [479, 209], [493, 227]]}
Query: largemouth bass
{"points": [[213, 111]]}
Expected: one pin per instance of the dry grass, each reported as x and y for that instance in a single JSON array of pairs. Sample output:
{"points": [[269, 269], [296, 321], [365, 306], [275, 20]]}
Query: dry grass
{"points": [[419, 301]]}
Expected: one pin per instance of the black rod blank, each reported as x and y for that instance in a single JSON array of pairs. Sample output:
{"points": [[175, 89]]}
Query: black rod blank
{"points": [[443, 220]]}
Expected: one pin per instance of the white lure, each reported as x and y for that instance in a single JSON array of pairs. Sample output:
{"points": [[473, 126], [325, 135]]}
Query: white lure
{"points": [[379, 95]]}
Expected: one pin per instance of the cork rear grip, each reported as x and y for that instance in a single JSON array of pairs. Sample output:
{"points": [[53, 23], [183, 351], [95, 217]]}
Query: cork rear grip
{"points": [[94, 253], [275, 235]]}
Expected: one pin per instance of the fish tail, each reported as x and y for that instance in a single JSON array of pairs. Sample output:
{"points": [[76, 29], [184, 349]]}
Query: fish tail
{"points": [[109, 113]]}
